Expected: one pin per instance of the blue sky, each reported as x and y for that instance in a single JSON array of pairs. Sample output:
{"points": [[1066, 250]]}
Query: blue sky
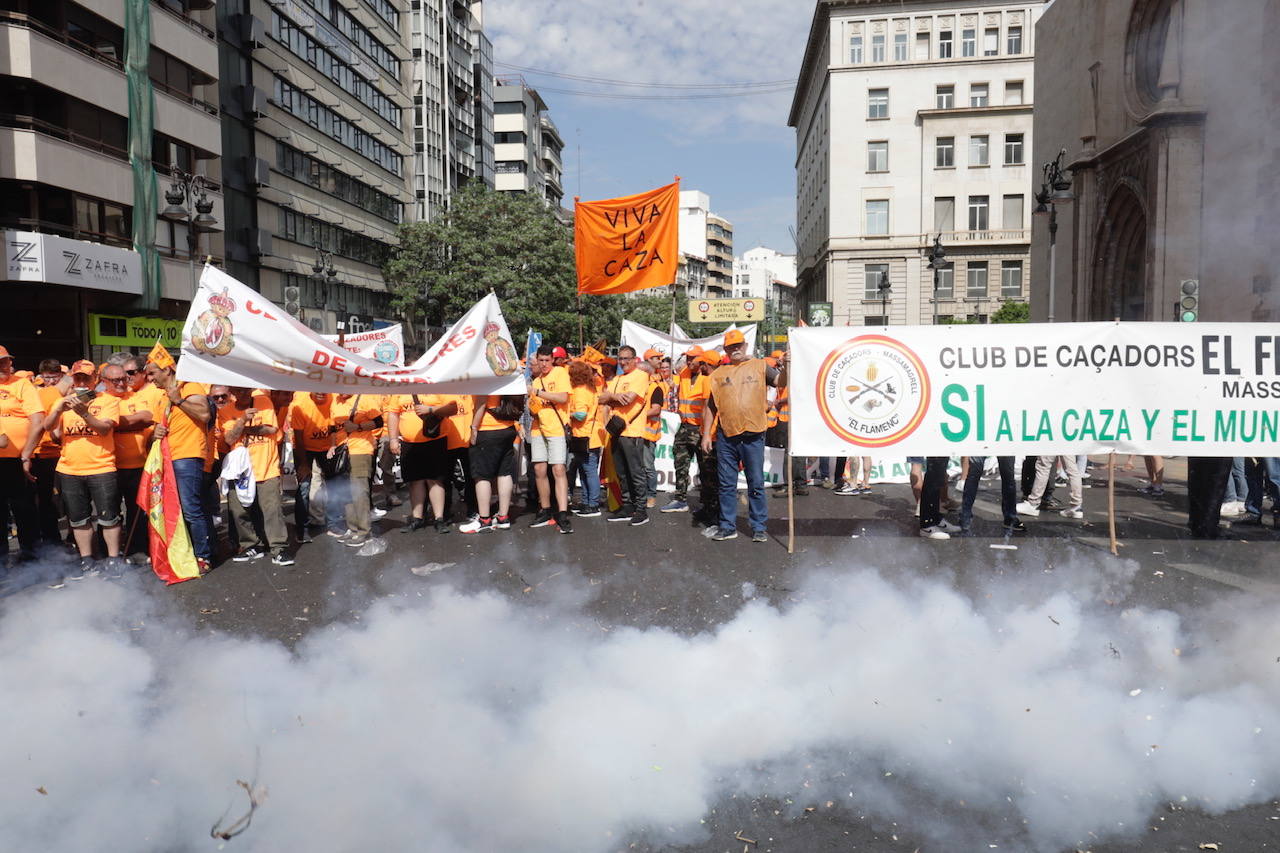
{"points": [[737, 150]]}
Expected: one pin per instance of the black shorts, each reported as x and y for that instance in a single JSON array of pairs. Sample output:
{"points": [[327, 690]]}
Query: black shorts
{"points": [[79, 492], [424, 460], [494, 454]]}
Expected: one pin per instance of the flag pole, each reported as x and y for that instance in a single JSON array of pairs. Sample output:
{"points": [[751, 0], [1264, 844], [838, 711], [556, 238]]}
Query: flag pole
{"points": [[577, 199], [1111, 500]]}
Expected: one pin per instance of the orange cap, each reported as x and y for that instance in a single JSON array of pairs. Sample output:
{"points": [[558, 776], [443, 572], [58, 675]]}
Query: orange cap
{"points": [[734, 336], [777, 354], [771, 361], [85, 366], [710, 357], [4, 353], [693, 352], [652, 353], [160, 357]]}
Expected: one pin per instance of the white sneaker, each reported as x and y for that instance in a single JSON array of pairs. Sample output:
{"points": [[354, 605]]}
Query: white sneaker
{"points": [[377, 513], [1230, 509], [1025, 508], [1072, 512], [934, 532], [947, 527]]}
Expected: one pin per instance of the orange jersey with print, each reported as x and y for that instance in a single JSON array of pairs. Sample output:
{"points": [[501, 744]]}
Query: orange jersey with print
{"points": [[264, 450], [131, 447], [411, 427], [47, 447], [188, 438], [635, 382], [84, 451], [313, 420], [586, 399], [18, 402], [550, 418], [370, 407], [457, 427], [487, 420]]}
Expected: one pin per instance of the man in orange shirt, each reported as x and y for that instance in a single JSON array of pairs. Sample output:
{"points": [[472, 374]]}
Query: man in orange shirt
{"points": [[53, 385], [359, 418], [415, 423], [314, 443], [628, 399], [248, 421], [21, 420], [83, 421], [132, 438], [186, 419], [457, 432], [548, 439]]}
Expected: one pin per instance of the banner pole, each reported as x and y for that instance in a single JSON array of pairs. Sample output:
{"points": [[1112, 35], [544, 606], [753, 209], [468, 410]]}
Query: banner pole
{"points": [[791, 495], [580, 345], [1111, 500]]}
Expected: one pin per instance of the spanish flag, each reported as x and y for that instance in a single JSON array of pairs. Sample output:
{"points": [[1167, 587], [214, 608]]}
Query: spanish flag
{"points": [[628, 243], [172, 558]]}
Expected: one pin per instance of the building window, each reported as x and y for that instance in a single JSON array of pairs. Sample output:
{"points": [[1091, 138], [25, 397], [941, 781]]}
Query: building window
{"points": [[875, 320], [1011, 279], [976, 285], [855, 50], [944, 213], [878, 103], [945, 279], [900, 47], [1013, 93], [944, 44], [944, 152], [979, 95], [1013, 149], [1014, 41], [877, 48], [877, 156], [945, 97], [878, 218], [991, 42], [968, 42], [922, 46], [871, 274], [978, 150], [1013, 212], [978, 210]]}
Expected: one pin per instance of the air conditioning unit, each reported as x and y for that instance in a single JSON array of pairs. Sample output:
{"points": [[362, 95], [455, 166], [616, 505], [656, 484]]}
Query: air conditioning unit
{"points": [[292, 299], [258, 171], [259, 242]]}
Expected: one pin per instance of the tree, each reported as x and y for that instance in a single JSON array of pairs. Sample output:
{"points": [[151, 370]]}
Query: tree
{"points": [[512, 244], [1012, 312]]}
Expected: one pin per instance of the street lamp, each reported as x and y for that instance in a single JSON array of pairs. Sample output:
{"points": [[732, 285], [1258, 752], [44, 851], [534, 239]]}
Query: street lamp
{"points": [[937, 260], [1055, 189], [188, 191], [324, 274], [884, 289]]}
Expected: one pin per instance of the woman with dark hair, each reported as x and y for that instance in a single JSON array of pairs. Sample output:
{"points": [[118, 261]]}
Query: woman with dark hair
{"points": [[493, 458], [587, 436]]}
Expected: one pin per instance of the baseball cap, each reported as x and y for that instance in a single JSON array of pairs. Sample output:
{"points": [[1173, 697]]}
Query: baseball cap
{"points": [[771, 361], [734, 336], [710, 357], [85, 366], [4, 353], [559, 352], [652, 353], [693, 352]]}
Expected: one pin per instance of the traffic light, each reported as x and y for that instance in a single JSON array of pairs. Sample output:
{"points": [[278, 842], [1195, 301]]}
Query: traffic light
{"points": [[1189, 301]]}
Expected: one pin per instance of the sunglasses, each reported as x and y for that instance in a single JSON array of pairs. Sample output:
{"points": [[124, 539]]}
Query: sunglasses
{"points": [[116, 381], [220, 398], [133, 372]]}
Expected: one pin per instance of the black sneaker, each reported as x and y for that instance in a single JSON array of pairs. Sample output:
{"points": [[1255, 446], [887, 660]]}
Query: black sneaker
{"points": [[414, 524], [591, 511], [639, 517], [112, 568], [622, 513], [86, 567], [543, 518], [564, 522], [722, 535], [1052, 503], [282, 558], [304, 537], [248, 555], [443, 526], [1016, 527]]}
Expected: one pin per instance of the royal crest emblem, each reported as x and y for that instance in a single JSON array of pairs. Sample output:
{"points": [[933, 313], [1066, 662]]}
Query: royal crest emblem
{"points": [[211, 333], [499, 352]]}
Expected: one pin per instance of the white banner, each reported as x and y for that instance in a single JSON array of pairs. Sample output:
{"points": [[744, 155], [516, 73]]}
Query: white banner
{"points": [[385, 345], [235, 337], [1178, 389], [643, 338]]}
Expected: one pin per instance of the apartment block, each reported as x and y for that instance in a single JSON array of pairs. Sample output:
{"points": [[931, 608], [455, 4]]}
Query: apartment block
{"points": [[526, 143]]}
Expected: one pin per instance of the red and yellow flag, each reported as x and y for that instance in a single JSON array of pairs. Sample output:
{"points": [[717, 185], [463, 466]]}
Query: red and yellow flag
{"points": [[172, 558], [628, 243]]}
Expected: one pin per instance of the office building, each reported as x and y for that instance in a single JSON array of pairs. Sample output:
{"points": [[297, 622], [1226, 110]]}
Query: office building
{"points": [[706, 235]]}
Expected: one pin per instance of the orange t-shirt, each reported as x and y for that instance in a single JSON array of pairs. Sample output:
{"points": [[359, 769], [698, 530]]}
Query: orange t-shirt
{"points": [[550, 418], [84, 451], [18, 402], [189, 439], [487, 420], [411, 426], [313, 420], [457, 427], [131, 447], [586, 399], [264, 450], [371, 406], [636, 382], [48, 448]]}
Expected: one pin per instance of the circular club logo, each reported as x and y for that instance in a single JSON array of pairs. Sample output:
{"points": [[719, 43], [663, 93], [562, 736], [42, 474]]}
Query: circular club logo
{"points": [[386, 352], [872, 391]]}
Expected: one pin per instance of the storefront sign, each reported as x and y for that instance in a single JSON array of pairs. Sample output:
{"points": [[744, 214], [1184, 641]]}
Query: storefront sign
{"points": [[51, 259], [109, 330]]}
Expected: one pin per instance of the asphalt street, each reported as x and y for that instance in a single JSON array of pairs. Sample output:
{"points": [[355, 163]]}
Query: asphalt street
{"points": [[666, 575]]}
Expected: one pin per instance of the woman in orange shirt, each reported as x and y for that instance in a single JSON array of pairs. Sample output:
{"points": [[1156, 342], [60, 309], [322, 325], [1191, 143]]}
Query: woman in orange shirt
{"points": [[493, 458], [83, 421], [586, 440]]}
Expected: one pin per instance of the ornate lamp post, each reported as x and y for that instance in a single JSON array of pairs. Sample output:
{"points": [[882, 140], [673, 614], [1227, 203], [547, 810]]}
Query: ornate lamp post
{"points": [[884, 288], [1055, 189], [937, 260], [188, 191]]}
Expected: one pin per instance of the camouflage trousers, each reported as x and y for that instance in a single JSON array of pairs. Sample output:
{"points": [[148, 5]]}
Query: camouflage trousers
{"points": [[687, 446]]}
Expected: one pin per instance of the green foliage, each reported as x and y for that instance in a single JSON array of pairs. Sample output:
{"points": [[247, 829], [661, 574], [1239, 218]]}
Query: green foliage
{"points": [[1012, 312], [512, 244]]}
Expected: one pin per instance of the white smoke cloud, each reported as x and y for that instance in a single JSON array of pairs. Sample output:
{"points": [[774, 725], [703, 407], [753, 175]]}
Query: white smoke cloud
{"points": [[466, 722]]}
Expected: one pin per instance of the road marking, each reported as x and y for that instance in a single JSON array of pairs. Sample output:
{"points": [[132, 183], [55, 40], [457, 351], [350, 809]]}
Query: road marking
{"points": [[1244, 582]]}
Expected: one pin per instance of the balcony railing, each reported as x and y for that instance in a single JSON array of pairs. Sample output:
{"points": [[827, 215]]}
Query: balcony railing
{"points": [[45, 128], [190, 22]]}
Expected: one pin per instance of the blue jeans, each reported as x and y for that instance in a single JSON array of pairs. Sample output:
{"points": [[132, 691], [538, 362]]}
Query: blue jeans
{"points": [[1008, 489], [746, 448], [585, 465], [1237, 485], [1262, 478], [192, 494]]}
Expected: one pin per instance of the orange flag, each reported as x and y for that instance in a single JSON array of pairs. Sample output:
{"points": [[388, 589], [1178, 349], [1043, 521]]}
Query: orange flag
{"points": [[628, 243]]}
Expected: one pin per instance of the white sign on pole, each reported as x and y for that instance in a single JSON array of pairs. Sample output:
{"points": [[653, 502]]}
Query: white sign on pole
{"points": [[385, 345], [643, 338], [1188, 389]]}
